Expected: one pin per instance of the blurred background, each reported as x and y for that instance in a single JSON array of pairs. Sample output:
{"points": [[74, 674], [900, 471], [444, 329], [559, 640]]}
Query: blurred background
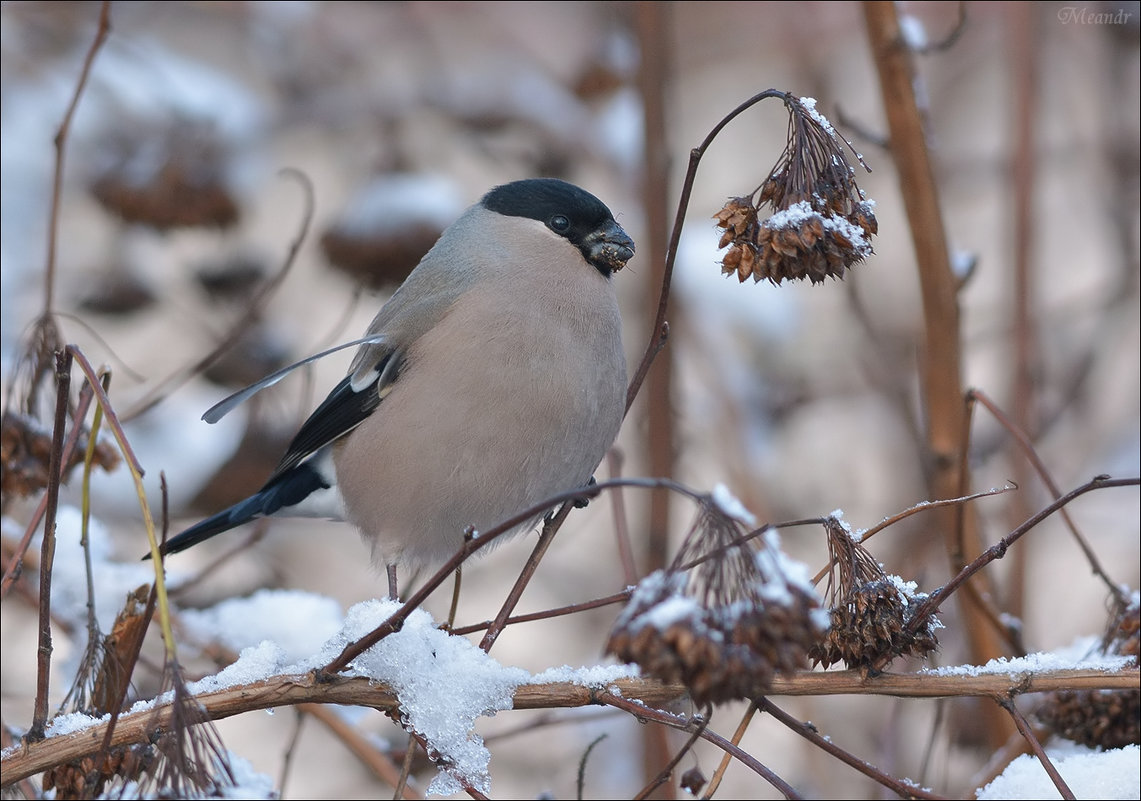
{"points": [[204, 125]]}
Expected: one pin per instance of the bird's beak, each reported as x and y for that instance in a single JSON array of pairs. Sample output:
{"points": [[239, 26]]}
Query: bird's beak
{"points": [[609, 248]]}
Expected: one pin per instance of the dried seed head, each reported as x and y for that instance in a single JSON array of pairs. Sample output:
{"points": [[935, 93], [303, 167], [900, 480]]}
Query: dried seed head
{"points": [[692, 781], [725, 618], [186, 758], [25, 453], [172, 176], [870, 610], [821, 223], [88, 776], [1095, 718], [1123, 634], [388, 225], [1101, 718]]}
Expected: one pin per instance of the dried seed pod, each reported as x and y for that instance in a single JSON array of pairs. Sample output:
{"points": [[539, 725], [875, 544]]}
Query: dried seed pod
{"points": [[821, 223], [725, 618], [870, 610], [1095, 718], [25, 452], [389, 225], [1101, 718], [692, 781], [171, 176]]}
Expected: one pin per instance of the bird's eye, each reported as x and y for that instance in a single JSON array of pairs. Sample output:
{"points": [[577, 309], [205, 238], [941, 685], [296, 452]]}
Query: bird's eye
{"points": [[559, 224]]}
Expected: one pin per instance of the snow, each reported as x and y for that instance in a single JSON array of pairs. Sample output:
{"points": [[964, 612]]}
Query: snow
{"points": [[444, 684], [908, 590], [728, 504], [1082, 655], [837, 516], [248, 783], [913, 32], [115, 580], [256, 663], [797, 213], [659, 600], [274, 615], [1088, 773], [675, 609], [809, 105], [781, 572], [390, 203], [596, 676], [71, 723]]}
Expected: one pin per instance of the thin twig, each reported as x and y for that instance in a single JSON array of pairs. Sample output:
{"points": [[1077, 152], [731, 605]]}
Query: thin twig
{"points": [[299, 715], [547, 614], [1027, 447], [1036, 748], [998, 550], [550, 528], [644, 713], [580, 777], [15, 564], [658, 330], [719, 774], [809, 732], [621, 523], [253, 311], [401, 785], [665, 773], [102, 30], [360, 745], [922, 506], [952, 36]]}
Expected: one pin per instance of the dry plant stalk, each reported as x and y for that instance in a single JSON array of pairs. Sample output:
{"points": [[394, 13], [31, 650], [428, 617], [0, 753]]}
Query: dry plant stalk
{"points": [[941, 375]]}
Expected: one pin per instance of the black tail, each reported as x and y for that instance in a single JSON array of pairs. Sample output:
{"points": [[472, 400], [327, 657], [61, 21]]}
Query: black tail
{"points": [[282, 492]]}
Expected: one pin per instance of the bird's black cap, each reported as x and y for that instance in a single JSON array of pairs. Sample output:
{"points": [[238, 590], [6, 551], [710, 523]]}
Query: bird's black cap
{"points": [[570, 212]]}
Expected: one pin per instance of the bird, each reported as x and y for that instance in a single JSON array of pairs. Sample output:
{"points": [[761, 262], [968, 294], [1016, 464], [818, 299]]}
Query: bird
{"points": [[492, 379]]}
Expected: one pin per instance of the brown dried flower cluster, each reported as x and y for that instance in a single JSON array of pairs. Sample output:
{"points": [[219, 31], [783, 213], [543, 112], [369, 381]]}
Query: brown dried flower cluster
{"points": [[378, 258], [1101, 718], [25, 453], [725, 618], [870, 610], [166, 179], [821, 223]]}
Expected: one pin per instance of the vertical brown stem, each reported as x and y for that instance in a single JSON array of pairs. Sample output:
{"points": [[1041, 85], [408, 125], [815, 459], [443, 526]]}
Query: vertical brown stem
{"points": [[1020, 23], [60, 143], [47, 551], [652, 23], [941, 371]]}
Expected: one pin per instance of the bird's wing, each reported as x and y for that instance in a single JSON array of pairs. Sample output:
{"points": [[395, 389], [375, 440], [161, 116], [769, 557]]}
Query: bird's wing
{"points": [[343, 410], [228, 404]]}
